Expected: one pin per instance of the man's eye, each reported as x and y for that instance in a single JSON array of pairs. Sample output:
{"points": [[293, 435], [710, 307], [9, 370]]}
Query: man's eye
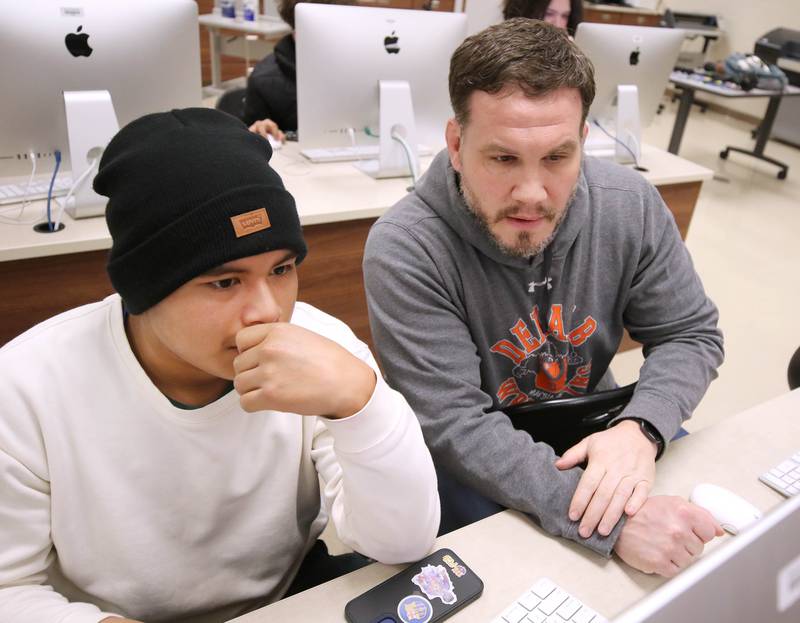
{"points": [[555, 157], [504, 158], [224, 284], [282, 269]]}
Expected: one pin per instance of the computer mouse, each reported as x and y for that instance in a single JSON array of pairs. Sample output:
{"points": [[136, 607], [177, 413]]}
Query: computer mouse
{"points": [[731, 511], [274, 142]]}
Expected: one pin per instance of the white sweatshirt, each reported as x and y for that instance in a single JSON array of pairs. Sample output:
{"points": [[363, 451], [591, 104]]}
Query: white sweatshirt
{"points": [[113, 501]]}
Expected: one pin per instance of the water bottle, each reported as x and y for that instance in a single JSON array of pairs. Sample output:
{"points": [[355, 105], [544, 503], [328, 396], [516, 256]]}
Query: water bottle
{"points": [[250, 10], [228, 8]]}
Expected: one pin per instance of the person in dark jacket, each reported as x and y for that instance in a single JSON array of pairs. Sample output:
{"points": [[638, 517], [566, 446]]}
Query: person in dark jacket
{"points": [[270, 105], [566, 14]]}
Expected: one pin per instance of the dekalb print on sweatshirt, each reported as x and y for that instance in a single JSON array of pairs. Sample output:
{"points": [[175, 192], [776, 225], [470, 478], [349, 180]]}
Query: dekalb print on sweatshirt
{"points": [[546, 364]]}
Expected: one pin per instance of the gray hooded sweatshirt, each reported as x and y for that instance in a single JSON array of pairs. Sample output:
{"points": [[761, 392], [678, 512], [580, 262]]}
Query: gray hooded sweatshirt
{"points": [[459, 327]]}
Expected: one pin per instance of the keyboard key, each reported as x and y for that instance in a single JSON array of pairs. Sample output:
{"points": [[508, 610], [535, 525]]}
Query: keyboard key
{"points": [[543, 588], [537, 616], [529, 600], [553, 601], [584, 615], [787, 466], [515, 614], [568, 608]]}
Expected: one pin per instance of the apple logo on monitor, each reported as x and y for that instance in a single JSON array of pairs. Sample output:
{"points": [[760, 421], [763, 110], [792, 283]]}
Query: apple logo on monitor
{"points": [[390, 43], [634, 57], [78, 44]]}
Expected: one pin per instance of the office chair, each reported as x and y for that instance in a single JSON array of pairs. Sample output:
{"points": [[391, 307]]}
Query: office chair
{"points": [[232, 102], [793, 373], [560, 423]]}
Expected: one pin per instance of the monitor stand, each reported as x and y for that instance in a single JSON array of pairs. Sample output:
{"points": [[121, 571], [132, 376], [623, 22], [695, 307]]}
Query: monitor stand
{"points": [[625, 127], [91, 123], [396, 122]]}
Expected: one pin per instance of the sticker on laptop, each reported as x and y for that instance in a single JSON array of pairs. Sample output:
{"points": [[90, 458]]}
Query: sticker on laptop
{"points": [[435, 582], [414, 609]]}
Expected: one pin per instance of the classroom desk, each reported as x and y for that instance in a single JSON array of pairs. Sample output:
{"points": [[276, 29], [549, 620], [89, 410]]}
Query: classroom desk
{"points": [[509, 552], [268, 28], [688, 88], [44, 274]]}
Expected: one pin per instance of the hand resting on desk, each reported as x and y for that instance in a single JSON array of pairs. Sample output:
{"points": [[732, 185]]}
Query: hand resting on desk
{"points": [[619, 476], [666, 535]]}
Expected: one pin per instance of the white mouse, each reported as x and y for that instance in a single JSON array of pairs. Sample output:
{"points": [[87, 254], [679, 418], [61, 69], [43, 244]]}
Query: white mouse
{"points": [[731, 511], [274, 142]]}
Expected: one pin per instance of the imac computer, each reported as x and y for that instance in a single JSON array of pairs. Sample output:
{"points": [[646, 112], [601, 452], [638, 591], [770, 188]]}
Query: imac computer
{"points": [[626, 56], [754, 577], [482, 14], [374, 76], [63, 65]]}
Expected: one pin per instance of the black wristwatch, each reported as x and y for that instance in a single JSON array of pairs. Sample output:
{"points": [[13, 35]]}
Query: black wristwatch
{"points": [[651, 432]]}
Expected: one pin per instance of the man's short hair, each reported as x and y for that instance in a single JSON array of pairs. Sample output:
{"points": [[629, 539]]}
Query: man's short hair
{"points": [[528, 54], [286, 7]]}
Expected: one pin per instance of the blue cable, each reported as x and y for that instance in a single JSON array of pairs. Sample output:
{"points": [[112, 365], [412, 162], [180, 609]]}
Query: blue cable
{"points": [[57, 154]]}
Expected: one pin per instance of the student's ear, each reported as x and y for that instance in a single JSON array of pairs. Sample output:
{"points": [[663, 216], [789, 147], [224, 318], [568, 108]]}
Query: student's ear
{"points": [[585, 132], [452, 135]]}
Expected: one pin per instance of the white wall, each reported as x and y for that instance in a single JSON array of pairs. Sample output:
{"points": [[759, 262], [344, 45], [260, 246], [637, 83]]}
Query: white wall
{"points": [[744, 21]]}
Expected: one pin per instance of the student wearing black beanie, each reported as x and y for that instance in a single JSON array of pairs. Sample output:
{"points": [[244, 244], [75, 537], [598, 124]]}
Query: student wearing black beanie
{"points": [[170, 466], [175, 181]]}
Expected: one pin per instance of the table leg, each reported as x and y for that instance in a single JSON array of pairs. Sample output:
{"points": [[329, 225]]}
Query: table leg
{"points": [[762, 136], [765, 127], [215, 42], [687, 97]]}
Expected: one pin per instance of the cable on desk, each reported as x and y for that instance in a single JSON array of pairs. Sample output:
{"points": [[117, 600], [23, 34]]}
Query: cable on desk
{"points": [[611, 136], [75, 186], [411, 163], [57, 154], [25, 201]]}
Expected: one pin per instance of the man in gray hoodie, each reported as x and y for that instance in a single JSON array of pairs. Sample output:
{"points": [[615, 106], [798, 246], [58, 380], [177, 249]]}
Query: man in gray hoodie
{"points": [[508, 276]]}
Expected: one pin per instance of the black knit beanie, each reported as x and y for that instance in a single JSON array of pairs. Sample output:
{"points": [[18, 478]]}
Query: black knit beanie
{"points": [[189, 190]]}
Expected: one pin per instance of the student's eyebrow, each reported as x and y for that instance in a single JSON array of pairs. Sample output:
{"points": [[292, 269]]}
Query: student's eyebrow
{"points": [[230, 269]]}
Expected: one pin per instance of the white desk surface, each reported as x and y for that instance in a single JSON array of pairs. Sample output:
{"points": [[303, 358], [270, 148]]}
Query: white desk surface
{"points": [[269, 27], [509, 552], [325, 193]]}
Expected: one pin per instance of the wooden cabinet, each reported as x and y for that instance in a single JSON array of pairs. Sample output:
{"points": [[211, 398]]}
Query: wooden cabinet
{"points": [[434, 5], [630, 17]]}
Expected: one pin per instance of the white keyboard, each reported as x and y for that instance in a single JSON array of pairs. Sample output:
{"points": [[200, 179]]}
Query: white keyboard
{"points": [[546, 602], [19, 192], [352, 152], [784, 478]]}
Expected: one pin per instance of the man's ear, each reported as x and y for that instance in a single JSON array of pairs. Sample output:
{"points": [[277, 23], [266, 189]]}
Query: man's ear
{"points": [[585, 132], [452, 135]]}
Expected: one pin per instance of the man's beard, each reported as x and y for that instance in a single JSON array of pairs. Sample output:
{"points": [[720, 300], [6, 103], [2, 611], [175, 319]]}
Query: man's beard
{"points": [[523, 246]]}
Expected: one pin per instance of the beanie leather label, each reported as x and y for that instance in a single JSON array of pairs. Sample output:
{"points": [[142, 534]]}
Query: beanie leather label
{"points": [[250, 222]]}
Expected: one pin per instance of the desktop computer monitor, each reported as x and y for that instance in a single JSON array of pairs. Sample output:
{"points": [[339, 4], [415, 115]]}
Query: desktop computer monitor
{"points": [[344, 51], [754, 577], [146, 54], [629, 55], [482, 14]]}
